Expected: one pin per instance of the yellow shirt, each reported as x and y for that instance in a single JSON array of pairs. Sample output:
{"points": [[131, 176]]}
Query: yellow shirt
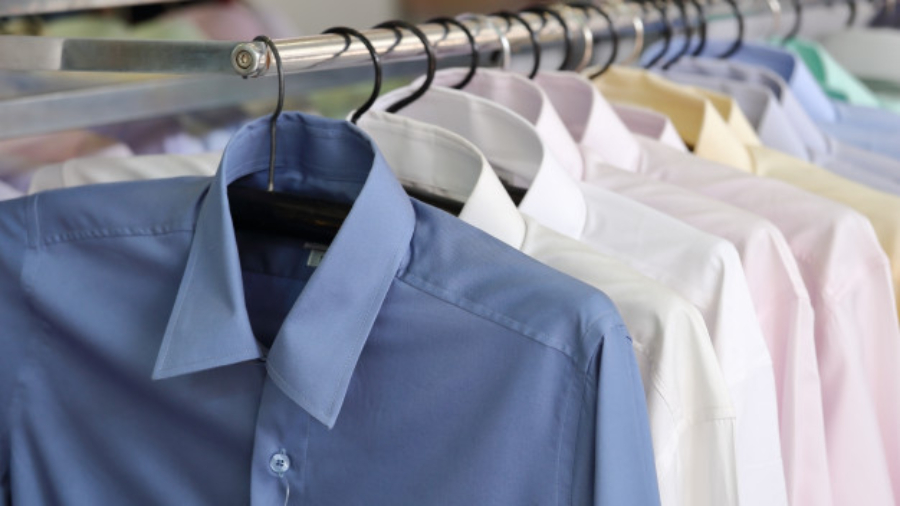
{"points": [[697, 115]]}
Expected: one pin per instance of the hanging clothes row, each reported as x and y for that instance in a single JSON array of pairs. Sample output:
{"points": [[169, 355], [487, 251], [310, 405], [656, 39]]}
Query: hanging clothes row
{"points": [[671, 282]]}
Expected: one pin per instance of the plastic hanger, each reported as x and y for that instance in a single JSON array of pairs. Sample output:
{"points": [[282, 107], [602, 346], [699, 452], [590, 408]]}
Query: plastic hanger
{"points": [[473, 45], [701, 28], [376, 62], [535, 44], [396, 26], [798, 21], [614, 36], [544, 11], [667, 34], [279, 213], [688, 35], [739, 41]]}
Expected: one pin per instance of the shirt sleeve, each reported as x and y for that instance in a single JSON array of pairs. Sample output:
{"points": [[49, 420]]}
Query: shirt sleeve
{"points": [[615, 419], [14, 335]]}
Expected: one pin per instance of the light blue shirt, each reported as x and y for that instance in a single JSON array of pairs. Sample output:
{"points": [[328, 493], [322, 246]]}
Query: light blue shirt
{"points": [[150, 354], [864, 127]]}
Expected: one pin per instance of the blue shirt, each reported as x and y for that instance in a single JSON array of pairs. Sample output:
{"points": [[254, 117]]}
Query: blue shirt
{"points": [[864, 127], [150, 354]]}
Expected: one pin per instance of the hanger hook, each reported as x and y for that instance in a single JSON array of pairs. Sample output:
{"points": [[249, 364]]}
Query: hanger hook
{"points": [[613, 34], [739, 41], [587, 38], [701, 28], [851, 17], [473, 45], [688, 34], [396, 26], [798, 19], [536, 46], [543, 11], [482, 19], [273, 123], [667, 34], [376, 62]]}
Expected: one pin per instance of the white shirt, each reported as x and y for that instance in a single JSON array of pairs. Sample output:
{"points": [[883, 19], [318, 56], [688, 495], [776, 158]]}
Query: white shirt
{"points": [[691, 419], [704, 269]]}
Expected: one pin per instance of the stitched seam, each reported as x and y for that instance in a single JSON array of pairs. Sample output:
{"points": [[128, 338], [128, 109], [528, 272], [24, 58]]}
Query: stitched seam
{"points": [[137, 231], [489, 314]]}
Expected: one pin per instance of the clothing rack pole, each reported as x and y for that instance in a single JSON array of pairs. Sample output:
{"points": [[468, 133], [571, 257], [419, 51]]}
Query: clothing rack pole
{"points": [[328, 52]]}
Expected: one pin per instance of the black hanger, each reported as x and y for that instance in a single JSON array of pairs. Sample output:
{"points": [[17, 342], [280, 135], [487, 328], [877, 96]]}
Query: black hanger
{"points": [[441, 202], [688, 34], [667, 34], [543, 11], [613, 34], [396, 25], [535, 44], [701, 29], [280, 213], [376, 62], [739, 41], [851, 17], [473, 62]]}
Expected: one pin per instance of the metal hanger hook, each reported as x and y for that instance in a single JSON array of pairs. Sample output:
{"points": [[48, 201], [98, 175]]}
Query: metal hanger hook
{"points": [[587, 7], [701, 28], [273, 123], [482, 20], [543, 11], [473, 62], [798, 21], [535, 44], [376, 62], [396, 26]]}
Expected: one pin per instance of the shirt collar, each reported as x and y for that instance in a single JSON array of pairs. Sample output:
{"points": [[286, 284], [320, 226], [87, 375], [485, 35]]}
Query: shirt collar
{"points": [[644, 122], [590, 120], [528, 100], [437, 160], [512, 146], [804, 126], [695, 118], [733, 115], [319, 343]]}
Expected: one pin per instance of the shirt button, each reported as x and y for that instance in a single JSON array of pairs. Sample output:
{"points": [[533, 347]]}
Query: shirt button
{"points": [[280, 463]]}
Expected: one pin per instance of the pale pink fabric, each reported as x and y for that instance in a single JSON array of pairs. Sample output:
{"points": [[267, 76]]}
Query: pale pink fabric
{"points": [[848, 279]]}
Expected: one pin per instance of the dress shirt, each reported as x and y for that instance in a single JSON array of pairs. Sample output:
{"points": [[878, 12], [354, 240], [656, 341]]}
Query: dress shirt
{"points": [[8, 192], [866, 52], [704, 269], [863, 127], [779, 295], [777, 132], [846, 272], [696, 116], [831, 75], [97, 170], [823, 149], [691, 419], [421, 364], [19, 158], [649, 123]]}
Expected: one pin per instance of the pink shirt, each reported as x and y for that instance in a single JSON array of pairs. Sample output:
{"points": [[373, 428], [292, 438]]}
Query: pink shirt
{"points": [[847, 276]]}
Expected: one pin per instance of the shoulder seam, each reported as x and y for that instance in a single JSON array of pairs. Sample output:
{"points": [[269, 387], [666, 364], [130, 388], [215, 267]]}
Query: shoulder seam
{"points": [[493, 316]]}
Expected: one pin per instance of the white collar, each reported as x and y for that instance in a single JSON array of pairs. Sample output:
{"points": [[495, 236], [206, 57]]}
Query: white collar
{"points": [[528, 100], [439, 161], [590, 120], [511, 145]]}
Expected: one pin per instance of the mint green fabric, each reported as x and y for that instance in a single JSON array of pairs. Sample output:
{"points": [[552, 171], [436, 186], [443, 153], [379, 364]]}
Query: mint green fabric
{"points": [[837, 82]]}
